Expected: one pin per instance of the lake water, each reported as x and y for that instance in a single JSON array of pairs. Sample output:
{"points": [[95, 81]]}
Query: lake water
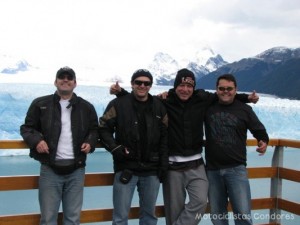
{"points": [[15, 202]]}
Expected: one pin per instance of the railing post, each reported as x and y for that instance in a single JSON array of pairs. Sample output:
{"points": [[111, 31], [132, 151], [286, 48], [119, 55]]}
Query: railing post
{"points": [[276, 185]]}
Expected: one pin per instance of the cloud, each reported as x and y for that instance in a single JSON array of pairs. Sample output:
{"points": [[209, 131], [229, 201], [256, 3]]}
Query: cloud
{"points": [[117, 37]]}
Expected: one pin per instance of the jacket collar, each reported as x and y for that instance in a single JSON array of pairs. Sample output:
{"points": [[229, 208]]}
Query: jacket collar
{"points": [[72, 101]]}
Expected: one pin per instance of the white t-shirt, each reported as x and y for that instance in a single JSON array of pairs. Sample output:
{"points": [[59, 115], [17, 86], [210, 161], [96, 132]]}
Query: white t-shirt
{"points": [[65, 142], [185, 158]]}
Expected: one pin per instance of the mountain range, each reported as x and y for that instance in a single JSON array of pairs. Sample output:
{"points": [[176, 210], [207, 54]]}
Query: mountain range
{"points": [[164, 67], [275, 71]]}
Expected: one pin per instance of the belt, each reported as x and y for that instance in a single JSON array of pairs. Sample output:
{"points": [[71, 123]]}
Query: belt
{"points": [[185, 165]]}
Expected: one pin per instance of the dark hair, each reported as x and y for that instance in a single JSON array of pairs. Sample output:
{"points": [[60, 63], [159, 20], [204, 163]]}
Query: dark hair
{"points": [[228, 77]]}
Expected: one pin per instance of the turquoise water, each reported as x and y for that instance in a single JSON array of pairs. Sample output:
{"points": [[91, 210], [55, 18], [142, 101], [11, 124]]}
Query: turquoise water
{"points": [[15, 202]]}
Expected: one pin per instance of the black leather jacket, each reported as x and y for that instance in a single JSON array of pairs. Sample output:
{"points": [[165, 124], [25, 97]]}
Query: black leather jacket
{"points": [[43, 122], [186, 121], [119, 127]]}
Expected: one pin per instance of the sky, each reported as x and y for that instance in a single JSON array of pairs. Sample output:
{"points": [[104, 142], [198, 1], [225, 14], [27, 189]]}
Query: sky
{"points": [[116, 37]]}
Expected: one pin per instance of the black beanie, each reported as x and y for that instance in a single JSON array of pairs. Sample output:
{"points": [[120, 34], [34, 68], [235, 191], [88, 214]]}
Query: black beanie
{"points": [[141, 73], [184, 76]]}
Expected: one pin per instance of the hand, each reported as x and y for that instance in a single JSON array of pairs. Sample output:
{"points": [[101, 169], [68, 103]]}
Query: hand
{"points": [[162, 174], [120, 153], [115, 88], [253, 97], [163, 95], [262, 147], [86, 148], [42, 147]]}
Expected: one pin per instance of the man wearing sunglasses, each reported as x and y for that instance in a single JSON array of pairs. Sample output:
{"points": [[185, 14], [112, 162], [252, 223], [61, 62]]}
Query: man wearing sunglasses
{"points": [[60, 130], [133, 129], [186, 172], [226, 125]]}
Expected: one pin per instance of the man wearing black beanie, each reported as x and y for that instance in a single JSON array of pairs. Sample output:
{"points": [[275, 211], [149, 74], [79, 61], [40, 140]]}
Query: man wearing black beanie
{"points": [[185, 76], [186, 109]]}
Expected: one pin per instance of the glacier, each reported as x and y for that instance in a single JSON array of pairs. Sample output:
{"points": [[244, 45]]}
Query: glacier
{"points": [[280, 116]]}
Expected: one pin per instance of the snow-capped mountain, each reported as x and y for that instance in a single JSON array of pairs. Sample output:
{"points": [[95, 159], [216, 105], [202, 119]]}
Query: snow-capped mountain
{"points": [[274, 71], [164, 67], [12, 65], [279, 54], [208, 59]]}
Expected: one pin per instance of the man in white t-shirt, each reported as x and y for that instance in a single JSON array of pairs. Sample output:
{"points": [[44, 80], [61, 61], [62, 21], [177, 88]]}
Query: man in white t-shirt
{"points": [[60, 130]]}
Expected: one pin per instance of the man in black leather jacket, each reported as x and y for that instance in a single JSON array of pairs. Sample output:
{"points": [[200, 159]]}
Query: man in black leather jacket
{"points": [[133, 129], [60, 130]]}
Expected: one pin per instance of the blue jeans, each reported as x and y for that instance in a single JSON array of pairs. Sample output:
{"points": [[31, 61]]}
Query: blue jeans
{"points": [[54, 189], [147, 187], [229, 183]]}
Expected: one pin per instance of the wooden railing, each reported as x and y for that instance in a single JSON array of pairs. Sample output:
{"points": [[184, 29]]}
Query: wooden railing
{"points": [[274, 203]]}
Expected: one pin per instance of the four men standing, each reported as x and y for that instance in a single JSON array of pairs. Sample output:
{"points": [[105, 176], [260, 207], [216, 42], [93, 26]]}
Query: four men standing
{"points": [[134, 129]]}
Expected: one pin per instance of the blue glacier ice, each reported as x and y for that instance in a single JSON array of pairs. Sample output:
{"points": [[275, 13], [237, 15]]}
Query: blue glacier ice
{"points": [[280, 116]]}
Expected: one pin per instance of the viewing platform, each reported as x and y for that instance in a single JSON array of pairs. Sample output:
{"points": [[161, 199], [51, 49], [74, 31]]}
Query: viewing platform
{"points": [[274, 202]]}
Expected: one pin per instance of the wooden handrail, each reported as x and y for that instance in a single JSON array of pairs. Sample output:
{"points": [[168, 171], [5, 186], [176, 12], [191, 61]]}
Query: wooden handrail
{"points": [[289, 174], [262, 172], [106, 179], [20, 144], [8, 183], [289, 206], [13, 144], [289, 143], [25, 182]]}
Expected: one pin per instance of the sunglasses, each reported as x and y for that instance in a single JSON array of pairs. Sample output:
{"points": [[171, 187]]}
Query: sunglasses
{"points": [[225, 88], [64, 76], [139, 83]]}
